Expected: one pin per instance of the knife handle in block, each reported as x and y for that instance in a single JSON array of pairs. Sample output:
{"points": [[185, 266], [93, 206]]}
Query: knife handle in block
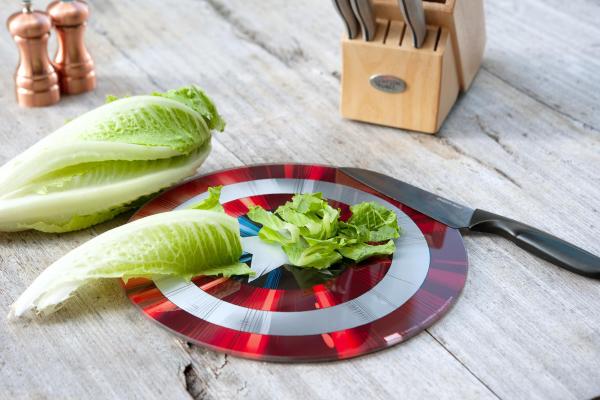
{"points": [[464, 19], [535, 241], [414, 18], [344, 9], [363, 10]]}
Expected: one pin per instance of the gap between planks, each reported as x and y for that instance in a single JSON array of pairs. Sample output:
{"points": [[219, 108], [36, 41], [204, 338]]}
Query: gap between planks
{"points": [[463, 365], [536, 99]]}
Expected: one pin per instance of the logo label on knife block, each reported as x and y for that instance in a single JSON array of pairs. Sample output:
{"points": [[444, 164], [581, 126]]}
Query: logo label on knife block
{"points": [[388, 83]]}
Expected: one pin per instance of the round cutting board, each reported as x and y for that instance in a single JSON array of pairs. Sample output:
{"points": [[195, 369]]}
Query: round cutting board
{"points": [[285, 313]]}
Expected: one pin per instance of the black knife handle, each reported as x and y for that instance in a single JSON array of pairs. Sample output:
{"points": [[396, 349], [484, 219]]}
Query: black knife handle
{"points": [[537, 242]]}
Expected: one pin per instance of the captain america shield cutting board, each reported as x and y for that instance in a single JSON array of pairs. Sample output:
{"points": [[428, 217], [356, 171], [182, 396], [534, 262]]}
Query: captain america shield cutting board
{"points": [[290, 314]]}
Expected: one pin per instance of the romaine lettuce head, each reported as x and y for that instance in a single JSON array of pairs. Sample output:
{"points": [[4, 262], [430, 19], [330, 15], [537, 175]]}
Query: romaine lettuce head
{"points": [[105, 161], [182, 243]]}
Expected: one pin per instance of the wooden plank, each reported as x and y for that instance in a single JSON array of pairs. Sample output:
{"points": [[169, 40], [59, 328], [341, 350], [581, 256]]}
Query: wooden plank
{"points": [[417, 369], [523, 327], [547, 52]]}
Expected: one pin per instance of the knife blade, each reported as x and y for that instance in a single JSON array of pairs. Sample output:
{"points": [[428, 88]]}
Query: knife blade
{"points": [[344, 8], [414, 16], [363, 9], [542, 244]]}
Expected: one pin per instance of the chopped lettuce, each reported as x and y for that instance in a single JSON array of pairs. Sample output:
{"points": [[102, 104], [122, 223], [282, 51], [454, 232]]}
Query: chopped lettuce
{"points": [[274, 228], [371, 222], [101, 163], [319, 256], [312, 235]]}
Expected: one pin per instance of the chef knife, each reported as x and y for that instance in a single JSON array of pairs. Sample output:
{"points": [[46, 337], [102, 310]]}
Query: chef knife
{"points": [[542, 244], [344, 8], [414, 16], [363, 9]]}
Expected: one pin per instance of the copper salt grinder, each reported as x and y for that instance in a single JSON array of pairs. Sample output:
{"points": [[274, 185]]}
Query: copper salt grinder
{"points": [[36, 80], [72, 61]]}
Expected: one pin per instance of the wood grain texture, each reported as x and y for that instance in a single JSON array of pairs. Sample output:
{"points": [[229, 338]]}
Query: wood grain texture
{"points": [[429, 74], [523, 142]]}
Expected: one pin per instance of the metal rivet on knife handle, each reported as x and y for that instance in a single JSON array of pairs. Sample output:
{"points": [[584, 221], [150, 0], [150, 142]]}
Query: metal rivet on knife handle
{"points": [[344, 8], [363, 9], [414, 16]]}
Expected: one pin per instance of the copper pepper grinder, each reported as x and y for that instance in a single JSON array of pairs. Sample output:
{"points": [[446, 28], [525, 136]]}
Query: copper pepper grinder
{"points": [[72, 61], [36, 80]]}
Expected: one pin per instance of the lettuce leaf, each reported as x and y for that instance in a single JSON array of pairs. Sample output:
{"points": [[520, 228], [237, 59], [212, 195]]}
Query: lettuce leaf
{"points": [[196, 99], [274, 229], [319, 256], [212, 202], [372, 222], [102, 162], [361, 251]]}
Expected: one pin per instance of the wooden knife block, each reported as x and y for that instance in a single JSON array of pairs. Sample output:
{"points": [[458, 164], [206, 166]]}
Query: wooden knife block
{"points": [[433, 74]]}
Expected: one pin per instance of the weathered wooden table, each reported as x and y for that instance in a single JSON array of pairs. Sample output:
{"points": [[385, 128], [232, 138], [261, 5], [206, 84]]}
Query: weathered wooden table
{"points": [[524, 142]]}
